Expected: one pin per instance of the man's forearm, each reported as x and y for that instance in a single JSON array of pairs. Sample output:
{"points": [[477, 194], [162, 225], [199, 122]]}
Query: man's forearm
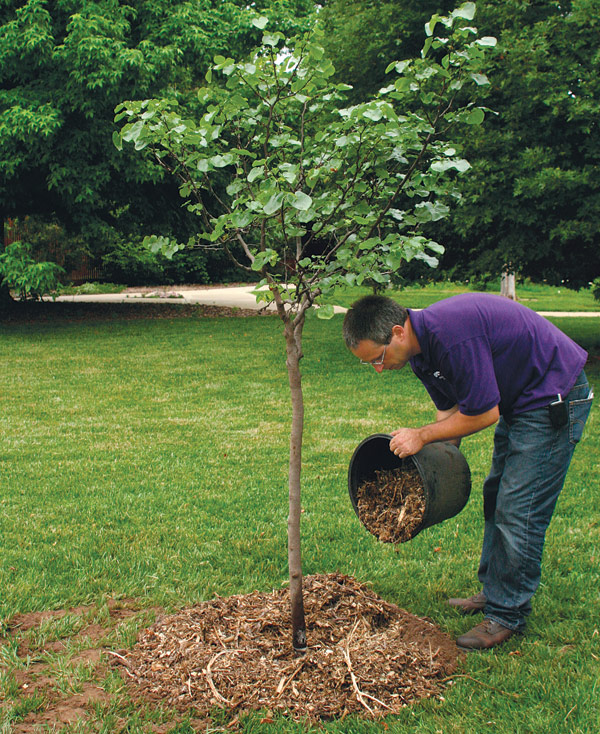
{"points": [[456, 425], [409, 441]]}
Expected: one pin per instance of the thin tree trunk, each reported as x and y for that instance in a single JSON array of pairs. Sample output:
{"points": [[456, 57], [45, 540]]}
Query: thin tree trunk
{"points": [[507, 285], [6, 300], [293, 337]]}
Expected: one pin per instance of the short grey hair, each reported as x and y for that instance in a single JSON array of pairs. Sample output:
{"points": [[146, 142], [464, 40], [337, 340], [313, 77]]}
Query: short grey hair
{"points": [[372, 317]]}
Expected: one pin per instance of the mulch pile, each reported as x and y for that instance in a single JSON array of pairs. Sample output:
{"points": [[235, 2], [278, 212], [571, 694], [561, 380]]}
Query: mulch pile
{"points": [[392, 505], [365, 655]]}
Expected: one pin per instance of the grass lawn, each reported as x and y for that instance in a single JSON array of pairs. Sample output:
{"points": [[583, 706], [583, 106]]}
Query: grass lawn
{"points": [[538, 297], [146, 460]]}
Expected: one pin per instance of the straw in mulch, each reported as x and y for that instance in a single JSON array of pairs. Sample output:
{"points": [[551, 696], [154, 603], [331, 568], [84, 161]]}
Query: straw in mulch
{"points": [[392, 505], [366, 656]]}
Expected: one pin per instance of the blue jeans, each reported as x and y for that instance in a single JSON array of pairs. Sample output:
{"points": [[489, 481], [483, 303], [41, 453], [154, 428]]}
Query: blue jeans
{"points": [[528, 471]]}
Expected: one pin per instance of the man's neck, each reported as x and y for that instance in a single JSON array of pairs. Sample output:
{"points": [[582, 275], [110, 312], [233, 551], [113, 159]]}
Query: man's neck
{"points": [[412, 342]]}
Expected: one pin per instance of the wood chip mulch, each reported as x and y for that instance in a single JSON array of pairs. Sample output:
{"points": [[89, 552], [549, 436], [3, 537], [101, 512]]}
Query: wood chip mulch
{"points": [[366, 656], [392, 505]]}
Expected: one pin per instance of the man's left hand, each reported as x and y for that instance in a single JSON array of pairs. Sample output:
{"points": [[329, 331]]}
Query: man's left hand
{"points": [[406, 442]]}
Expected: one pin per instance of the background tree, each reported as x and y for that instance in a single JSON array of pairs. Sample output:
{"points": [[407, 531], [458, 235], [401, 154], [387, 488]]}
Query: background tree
{"points": [[65, 64], [318, 195], [532, 199]]}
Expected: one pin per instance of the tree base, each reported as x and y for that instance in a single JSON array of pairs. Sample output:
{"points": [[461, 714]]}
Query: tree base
{"points": [[365, 657]]}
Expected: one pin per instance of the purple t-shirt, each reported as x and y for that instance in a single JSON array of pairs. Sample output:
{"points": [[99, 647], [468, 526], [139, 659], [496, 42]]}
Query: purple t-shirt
{"points": [[479, 351]]}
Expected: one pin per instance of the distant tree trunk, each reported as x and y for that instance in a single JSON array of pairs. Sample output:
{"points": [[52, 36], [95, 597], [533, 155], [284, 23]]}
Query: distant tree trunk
{"points": [[293, 338], [6, 300], [507, 285]]}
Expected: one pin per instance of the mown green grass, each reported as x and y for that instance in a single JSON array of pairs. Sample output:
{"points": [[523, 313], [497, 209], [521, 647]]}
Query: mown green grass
{"points": [[537, 296], [148, 459]]}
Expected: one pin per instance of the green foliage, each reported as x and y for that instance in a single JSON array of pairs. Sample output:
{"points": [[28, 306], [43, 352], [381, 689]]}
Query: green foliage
{"points": [[135, 263], [316, 192], [89, 289], [20, 272], [65, 64], [533, 199], [395, 30]]}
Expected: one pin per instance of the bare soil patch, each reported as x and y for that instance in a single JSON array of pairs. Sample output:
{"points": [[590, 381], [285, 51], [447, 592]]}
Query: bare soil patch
{"points": [[392, 505], [366, 656], [47, 674]]}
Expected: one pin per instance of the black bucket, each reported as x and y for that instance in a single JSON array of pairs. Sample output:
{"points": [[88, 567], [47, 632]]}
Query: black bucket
{"points": [[443, 469]]}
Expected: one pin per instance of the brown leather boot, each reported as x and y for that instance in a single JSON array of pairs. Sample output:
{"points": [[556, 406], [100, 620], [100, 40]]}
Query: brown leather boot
{"points": [[472, 605], [485, 635]]}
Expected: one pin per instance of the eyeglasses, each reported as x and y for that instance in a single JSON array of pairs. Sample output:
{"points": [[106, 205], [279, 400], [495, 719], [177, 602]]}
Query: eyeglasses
{"points": [[376, 362]]}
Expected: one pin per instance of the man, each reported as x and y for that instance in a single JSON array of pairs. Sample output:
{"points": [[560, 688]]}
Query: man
{"points": [[485, 359]]}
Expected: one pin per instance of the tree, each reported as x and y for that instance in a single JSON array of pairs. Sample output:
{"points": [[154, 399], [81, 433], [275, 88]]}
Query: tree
{"points": [[316, 194], [532, 203], [64, 66]]}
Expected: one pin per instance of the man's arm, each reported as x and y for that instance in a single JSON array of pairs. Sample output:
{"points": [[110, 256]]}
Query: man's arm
{"points": [[451, 424], [442, 415]]}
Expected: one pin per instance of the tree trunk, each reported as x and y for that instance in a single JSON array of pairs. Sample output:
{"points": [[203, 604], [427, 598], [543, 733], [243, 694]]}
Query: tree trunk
{"points": [[293, 338], [6, 300], [507, 285]]}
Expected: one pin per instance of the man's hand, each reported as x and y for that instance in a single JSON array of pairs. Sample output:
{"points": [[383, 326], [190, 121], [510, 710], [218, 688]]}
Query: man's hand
{"points": [[406, 442]]}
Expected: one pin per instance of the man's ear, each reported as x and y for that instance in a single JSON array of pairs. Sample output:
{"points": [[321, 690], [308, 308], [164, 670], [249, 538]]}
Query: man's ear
{"points": [[398, 331]]}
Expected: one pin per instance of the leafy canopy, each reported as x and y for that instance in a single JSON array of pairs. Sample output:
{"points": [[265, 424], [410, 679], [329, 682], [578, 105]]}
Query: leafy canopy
{"points": [[314, 192], [65, 64]]}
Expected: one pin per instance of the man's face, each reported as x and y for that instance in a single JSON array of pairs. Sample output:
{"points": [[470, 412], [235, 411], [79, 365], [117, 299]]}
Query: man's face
{"points": [[395, 354]]}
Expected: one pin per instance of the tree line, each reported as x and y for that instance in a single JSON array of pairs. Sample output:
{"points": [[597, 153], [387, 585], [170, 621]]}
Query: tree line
{"points": [[529, 202]]}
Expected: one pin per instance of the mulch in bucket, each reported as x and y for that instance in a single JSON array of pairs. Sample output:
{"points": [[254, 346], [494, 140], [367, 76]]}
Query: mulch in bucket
{"points": [[392, 505], [366, 656]]}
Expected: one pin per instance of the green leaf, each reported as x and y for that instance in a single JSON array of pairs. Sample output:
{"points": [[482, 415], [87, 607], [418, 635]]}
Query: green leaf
{"points": [[476, 117], [430, 25], [271, 39], [268, 256], [260, 23], [256, 172], [220, 161], [162, 245], [133, 132], [488, 41], [460, 164], [436, 247], [373, 113], [301, 201], [235, 187], [274, 204], [480, 79], [325, 312], [466, 11], [117, 140], [431, 211], [240, 219]]}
